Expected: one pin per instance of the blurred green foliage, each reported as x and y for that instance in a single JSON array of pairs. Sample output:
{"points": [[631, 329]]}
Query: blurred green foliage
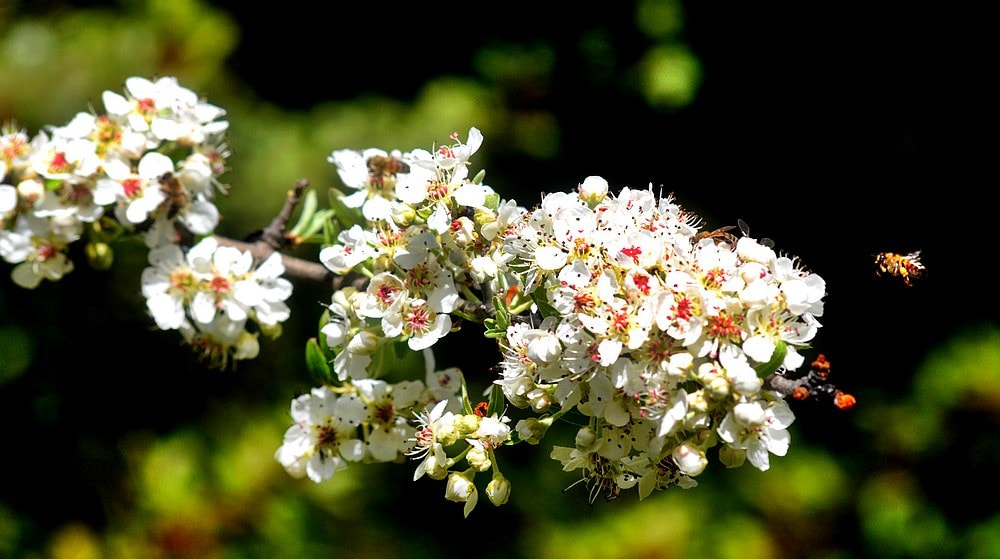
{"points": [[178, 461]]}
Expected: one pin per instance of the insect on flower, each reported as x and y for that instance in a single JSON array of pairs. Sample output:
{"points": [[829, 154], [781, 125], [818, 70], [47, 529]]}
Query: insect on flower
{"points": [[381, 166], [720, 234], [745, 229], [177, 195], [906, 266]]}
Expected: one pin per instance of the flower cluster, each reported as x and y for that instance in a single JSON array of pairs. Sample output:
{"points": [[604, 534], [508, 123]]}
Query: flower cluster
{"points": [[368, 419], [151, 162], [431, 245], [615, 308], [657, 333], [211, 292]]}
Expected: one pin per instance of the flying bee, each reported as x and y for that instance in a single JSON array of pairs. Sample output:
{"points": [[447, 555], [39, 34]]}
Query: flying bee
{"points": [[719, 234], [906, 266], [177, 195], [745, 229], [382, 166]]}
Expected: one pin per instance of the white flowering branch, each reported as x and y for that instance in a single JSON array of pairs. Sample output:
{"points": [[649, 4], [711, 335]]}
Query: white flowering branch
{"points": [[666, 344]]}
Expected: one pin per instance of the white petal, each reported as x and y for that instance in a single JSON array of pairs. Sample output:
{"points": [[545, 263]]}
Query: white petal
{"points": [[202, 218], [153, 165], [550, 258], [115, 104]]}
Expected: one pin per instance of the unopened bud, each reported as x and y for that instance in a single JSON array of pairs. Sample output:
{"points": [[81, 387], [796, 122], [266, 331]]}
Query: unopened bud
{"points": [[732, 457], [592, 190], [402, 214], [532, 430], [30, 189], [689, 459], [99, 255], [247, 346], [478, 458], [586, 439], [498, 489]]}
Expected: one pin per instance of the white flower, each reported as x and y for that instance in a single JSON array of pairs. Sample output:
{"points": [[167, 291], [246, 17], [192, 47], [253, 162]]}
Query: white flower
{"points": [[323, 437], [390, 433], [493, 431], [758, 430]]}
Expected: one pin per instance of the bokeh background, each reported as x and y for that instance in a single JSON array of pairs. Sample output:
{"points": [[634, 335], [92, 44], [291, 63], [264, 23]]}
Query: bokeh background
{"points": [[838, 131]]}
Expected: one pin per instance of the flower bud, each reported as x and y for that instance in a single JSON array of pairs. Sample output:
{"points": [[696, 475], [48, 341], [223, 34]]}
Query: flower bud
{"points": [[467, 425], [732, 457], [402, 214], [31, 189], [689, 459], [718, 388], [247, 346], [539, 399], [586, 439], [461, 489], [498, 489], [696, 401], [592, 190], [478, 458], [532, 430], [99, 255], [434, 468]]}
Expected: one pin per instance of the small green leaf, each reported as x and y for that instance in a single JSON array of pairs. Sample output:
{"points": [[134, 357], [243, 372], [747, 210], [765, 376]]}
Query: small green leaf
{"points": [[496, 401], [305, 217], [541, 301], [466, 405], [777, 358], [331, 229], [319, 219], [316, 363], [478, 179], [502, 314], [348, 217]]}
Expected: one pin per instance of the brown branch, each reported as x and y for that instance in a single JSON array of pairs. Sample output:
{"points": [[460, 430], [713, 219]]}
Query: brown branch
{"points": [[814, 384], [273, 239]]}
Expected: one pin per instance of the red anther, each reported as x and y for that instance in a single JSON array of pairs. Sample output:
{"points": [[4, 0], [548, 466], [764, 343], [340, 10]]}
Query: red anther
{"points": [[821, 364], [844, 400], [481, 409], [800, 393]]}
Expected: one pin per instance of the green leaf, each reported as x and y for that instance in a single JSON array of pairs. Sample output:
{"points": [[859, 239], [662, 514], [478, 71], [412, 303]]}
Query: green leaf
{"points": [[348, 217], [496, 402], [541, 301], [331, 229], [478, 179], [466, 405], [777, 358], [316, 363], [305, 217], [319, 220], [502, 314]]}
